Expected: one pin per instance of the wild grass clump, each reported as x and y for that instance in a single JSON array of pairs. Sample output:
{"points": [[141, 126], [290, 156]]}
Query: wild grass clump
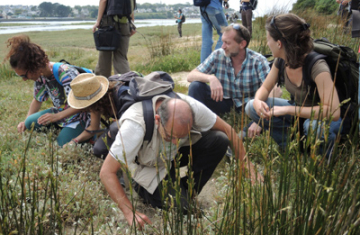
{"points": [[176, 62], [44, 192], [6, 72]]}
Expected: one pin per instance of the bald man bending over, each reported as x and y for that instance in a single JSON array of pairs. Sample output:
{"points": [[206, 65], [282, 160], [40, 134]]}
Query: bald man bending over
{"points": [[177, 122]]}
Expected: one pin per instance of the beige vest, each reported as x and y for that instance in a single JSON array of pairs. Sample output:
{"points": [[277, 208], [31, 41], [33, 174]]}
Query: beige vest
{"points": [[154, 156]]}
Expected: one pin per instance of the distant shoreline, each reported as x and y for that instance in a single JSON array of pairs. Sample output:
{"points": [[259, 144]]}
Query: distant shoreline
{"points": [[48, 19]]}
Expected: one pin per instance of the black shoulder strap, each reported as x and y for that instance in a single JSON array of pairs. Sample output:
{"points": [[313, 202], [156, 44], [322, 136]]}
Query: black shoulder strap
{"points": [[310, 60], [79, 69], [281, 67], [149, 115], [148, 118]]}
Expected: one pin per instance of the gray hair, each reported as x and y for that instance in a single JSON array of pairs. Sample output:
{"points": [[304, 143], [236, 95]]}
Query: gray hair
{"points": [[241, 34], [165, 112]]}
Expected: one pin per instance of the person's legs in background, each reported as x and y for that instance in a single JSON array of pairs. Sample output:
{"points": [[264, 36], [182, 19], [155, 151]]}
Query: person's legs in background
{"points": [[211, 17], [246, 19], [179, 29], [201, 92], [120, 61], [103, 66]]}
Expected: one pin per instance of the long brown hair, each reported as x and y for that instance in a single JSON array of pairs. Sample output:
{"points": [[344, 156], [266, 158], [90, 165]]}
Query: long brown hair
{"points": [[25, 55], [294, 33]]}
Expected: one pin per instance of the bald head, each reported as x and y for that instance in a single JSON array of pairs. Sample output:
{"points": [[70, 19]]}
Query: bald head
{"points": [[177, 112]]}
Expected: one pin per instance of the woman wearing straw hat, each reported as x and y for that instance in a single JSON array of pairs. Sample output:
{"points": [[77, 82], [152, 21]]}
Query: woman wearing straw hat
{"points": [[95, 94], [30, 62]]}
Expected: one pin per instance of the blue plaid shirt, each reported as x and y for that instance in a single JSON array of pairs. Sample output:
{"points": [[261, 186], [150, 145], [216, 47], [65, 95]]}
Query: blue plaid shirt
{"points": [[239, 87]]}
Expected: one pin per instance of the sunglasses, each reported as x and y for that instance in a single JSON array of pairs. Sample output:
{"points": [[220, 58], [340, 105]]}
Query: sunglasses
{"points": [[238, 28], [24, 76], [272, 24]]}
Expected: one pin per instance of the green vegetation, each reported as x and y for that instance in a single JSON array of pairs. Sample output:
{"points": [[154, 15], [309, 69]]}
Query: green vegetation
{"points": [[47, 190], [326, 7]]}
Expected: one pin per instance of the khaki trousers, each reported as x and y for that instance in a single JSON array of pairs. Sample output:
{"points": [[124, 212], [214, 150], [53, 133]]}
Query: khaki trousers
{"points": [[116, 58]]}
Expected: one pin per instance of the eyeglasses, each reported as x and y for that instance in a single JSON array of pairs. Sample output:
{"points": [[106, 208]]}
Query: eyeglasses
{"points": [[24, 76], [238, 28], [272, 24], [171, 137], [167, 136]]}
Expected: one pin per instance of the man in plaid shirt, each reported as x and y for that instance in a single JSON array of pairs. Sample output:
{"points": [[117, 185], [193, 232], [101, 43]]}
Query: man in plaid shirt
{"points": [[234, 74]]}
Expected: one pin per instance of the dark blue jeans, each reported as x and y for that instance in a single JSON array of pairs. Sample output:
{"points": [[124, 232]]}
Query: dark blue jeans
{"points": [[279, 126], [201, 92]]}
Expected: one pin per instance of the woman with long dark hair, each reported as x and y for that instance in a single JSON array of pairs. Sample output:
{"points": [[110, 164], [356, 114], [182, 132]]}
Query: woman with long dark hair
{"points": [[288, 37]]}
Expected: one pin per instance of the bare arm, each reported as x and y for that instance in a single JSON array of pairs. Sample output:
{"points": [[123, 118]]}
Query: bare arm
{"points": [[48, 118], [237, 145], [102, 6], [34, 107], [196, 75], [94, 125], [216, 88], [264, 91], [329, 100], [113, 187]]}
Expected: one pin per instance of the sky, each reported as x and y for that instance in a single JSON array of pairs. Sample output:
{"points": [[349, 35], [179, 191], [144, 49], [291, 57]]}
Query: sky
{"points": [[264, 6]]}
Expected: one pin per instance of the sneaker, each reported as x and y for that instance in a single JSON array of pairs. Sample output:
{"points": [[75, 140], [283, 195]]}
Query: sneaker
{"points": [[122, 182], [229, 152]]}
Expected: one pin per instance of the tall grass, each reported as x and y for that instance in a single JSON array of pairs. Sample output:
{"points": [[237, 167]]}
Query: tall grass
{"points": [[47, 190]]}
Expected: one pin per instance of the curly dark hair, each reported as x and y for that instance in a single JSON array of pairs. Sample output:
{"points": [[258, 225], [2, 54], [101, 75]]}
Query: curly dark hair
{"points": [[294, 33], [25, 55], [103, 106]]}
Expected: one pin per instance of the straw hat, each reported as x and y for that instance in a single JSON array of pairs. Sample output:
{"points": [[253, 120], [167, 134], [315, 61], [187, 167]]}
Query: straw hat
{"points": [[86, 89]]}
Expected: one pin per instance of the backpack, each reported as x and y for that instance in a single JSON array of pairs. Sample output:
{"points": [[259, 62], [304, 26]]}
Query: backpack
{"points": [[345, 75], [57, 65], [253, 4], [201, 3], [136, 88], [120, 8], [183, 19]]}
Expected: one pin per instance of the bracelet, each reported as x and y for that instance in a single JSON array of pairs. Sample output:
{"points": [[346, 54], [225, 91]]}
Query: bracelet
{"points": [[75, 141]]}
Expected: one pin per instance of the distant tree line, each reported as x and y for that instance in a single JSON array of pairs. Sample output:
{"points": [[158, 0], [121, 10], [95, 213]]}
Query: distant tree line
{"points": [[48, 9]]}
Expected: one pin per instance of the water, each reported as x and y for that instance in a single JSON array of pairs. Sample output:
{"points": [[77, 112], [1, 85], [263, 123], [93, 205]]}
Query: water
{"points": [[66, 25]]}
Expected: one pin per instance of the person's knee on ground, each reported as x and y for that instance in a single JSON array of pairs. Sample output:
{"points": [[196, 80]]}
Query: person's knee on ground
{"points": [[101, 149], [318, 126], [29, 123]]}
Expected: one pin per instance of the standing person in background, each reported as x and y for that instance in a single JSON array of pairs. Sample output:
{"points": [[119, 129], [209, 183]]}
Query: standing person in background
{"points": [[108, 15], [30, 62], [246, 14], [212, 16], [345, 13], [179, 21]]}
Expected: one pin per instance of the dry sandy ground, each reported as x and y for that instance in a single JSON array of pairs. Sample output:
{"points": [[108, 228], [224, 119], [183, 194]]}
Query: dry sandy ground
{"points": [[180, 78]]}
